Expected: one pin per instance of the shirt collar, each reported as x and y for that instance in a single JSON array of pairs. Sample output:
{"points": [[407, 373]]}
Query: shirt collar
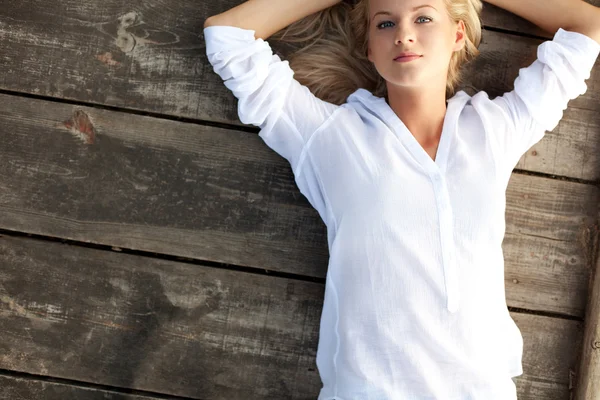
{"points": [[373, 103], [377, 106]]}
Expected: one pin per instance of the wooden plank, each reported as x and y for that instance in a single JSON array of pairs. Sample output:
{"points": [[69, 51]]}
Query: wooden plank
{"points": [[89, 55], [496, 17], [550, 349], [221, 195], [13, 388], [166, 327], [541, 274], [588, 385]]}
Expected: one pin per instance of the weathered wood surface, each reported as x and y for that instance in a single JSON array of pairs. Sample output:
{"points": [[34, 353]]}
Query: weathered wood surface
{"points": [[588, 384], [223, 196], [145, 56], [12, 388], [495, 17], [194, 331]]}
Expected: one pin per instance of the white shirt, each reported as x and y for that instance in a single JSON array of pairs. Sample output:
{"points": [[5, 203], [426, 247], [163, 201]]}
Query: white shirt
{"points": [[414, 305]]}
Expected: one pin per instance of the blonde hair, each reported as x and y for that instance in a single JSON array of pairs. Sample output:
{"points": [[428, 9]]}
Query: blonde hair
{"points": [[333, 64]]}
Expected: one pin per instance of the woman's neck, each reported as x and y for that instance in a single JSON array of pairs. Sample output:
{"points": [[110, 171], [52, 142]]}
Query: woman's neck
{"points": [[422, 110]]}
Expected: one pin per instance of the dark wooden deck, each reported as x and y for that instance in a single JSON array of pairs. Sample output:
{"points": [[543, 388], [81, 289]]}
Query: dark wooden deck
{"points": [[153, 247]]}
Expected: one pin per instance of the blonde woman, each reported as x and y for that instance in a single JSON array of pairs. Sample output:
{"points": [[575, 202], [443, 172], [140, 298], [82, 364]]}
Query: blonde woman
{"points": [[408, 176]]}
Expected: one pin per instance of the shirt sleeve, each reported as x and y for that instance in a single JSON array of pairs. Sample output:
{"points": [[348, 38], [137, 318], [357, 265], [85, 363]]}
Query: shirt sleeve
{"points": [[270, 98], [542, 91], [268, 95]]}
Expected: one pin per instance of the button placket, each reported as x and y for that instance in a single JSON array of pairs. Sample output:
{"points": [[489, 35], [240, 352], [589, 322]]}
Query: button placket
{"points": [[447, 243]]}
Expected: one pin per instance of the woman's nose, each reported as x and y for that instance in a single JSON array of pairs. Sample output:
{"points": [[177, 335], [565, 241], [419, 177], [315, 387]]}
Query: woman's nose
{"points": [[404, 35]]}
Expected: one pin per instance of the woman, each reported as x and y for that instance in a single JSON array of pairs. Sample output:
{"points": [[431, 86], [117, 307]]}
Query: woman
{"points": [[409, 178]]}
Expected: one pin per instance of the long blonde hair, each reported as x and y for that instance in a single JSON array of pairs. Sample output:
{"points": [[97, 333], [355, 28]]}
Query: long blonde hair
{"points": [[333, 62]]}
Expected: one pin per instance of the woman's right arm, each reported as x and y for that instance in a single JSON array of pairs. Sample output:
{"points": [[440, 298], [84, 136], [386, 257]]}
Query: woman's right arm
{"points": [[269, 97], [267, 17]]}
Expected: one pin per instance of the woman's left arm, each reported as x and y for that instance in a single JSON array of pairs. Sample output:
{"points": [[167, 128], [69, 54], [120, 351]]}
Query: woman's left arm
{"points": [[550, 15]]}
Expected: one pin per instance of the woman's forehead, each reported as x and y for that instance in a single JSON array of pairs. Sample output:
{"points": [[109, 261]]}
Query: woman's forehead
{"points": [[402, 5]]}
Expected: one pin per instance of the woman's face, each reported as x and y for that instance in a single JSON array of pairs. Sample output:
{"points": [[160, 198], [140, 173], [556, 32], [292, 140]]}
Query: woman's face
{"points": [[398, 26]]}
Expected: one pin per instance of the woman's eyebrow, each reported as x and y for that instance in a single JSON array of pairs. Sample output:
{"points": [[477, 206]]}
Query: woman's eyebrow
{"points": [[414, 9]]}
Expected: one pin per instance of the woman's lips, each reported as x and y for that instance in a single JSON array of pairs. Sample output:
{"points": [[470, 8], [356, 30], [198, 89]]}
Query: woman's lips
{"points": [[406, 59]]}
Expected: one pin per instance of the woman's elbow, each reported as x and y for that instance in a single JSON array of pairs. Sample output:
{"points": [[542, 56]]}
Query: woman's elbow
{"points": [[219, 19], [209, 22]]}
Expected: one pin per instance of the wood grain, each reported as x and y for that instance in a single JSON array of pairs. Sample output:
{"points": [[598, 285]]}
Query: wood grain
{"points": [[588, 385], [222, 195], [496, 17], [188, 330], [12, 388], [146, 56]]}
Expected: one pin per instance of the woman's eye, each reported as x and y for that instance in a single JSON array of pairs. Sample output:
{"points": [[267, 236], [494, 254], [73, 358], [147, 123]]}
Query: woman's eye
{"points": [[421, 19], [380, 26]]}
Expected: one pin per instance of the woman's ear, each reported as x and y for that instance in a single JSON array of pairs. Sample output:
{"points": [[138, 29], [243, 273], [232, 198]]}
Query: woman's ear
{"points": [[369, 54], [461, 36]]}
